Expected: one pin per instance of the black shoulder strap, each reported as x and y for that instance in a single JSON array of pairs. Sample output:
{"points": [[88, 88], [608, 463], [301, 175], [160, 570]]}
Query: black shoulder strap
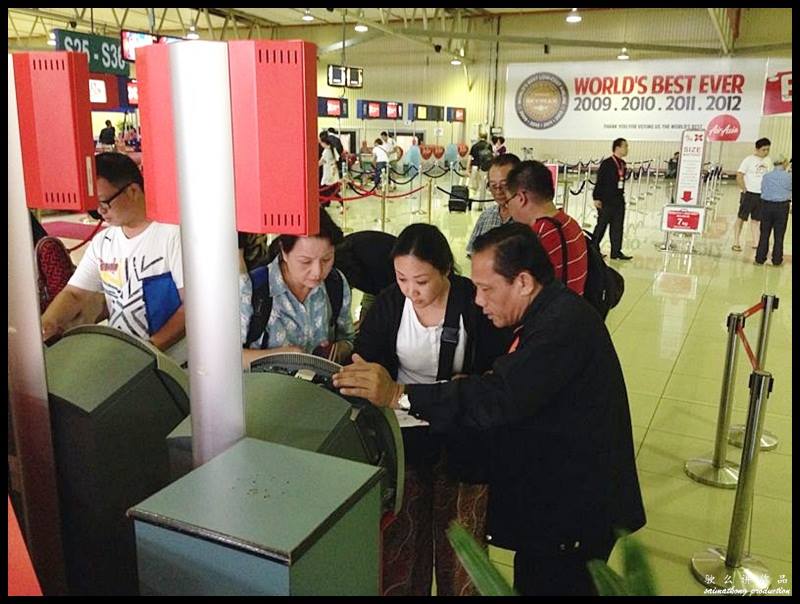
{"points": [[449, 340], [563, 247], [334, 287], [262, 308]]}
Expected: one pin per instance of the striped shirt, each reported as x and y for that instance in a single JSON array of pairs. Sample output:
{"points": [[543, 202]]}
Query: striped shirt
{"points": [[489, 219], [577, 259]]}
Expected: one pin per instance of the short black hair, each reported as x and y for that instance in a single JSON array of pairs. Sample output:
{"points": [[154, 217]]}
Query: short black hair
{"points": [[763, 142], [533, 176], [504, 159], [328, 229], [617, 143], [516, 249], [384, 133], [426, 242], [118, 169]]}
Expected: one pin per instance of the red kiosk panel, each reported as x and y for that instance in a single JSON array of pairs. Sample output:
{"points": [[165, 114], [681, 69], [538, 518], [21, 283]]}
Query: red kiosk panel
{"points": [[274, 109], [56, 130], [158, 139]]}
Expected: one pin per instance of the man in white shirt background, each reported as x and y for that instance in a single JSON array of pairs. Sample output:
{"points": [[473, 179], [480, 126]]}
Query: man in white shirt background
{"points": [[748, 179]]}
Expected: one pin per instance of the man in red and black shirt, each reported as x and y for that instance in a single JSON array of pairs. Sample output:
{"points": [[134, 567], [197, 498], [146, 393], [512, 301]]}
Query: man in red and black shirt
{"points": [[609, 198], [531, 193]]}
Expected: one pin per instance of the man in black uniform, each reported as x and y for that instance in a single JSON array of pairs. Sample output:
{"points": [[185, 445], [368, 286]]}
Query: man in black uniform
{"points": [[562, 475], [609, 198], [107, 134]]}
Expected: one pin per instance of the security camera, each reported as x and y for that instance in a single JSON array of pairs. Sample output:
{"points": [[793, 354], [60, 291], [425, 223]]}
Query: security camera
{"points": [[73, 24], [437, 47]]}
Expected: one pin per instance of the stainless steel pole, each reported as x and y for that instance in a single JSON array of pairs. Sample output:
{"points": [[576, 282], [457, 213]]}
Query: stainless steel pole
{"points": [[730, 568], [718, 471]]}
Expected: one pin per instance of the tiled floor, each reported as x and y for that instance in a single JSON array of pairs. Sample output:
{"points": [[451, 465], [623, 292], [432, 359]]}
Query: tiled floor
{"points": [[669, 330]]}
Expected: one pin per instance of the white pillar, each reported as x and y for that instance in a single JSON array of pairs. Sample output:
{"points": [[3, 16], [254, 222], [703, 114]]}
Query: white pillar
{"points": [[204, 154], [27, 380]]}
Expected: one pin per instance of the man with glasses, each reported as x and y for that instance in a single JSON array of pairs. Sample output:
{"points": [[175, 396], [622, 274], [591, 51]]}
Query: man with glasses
{"points": [[498, 214], [135, 263]]}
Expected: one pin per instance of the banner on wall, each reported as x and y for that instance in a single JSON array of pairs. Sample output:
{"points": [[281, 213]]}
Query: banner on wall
{"points": [[637, 100], [778, 87]]}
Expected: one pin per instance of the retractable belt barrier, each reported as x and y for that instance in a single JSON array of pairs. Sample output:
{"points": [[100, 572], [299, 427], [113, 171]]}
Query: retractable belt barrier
{"points": [[731, 569]]}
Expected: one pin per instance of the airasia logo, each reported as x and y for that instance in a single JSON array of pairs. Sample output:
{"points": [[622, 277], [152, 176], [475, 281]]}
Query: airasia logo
{"points": [[723, 128]]}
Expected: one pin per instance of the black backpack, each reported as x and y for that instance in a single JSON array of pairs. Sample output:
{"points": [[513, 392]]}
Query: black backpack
{"points": [[262, 303], [604, 286]]}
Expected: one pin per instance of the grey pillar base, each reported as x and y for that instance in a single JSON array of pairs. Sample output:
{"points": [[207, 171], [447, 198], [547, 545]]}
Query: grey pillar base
{"points": [[702, 470], [709, 569], [736, 437]]}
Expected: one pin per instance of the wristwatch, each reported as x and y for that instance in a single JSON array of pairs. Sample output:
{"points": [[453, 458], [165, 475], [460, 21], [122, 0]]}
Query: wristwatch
{"points": [[404, 403]]}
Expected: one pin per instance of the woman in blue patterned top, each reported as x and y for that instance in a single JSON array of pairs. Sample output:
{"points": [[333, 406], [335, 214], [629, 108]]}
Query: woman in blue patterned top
{"points": [[301, 316]]}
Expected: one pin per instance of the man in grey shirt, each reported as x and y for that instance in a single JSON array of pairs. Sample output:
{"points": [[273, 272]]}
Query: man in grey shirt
{"points": [[776, 197], [497, 214]]}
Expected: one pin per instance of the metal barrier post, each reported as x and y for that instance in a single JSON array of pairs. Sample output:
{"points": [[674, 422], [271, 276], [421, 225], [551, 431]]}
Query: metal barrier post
{"points": [[718, 471], [344, 217], [736, 436], [565, 199], [585, 189], [730, 568], [644, 195], [655, 178], [384, 188], [430, 196]]}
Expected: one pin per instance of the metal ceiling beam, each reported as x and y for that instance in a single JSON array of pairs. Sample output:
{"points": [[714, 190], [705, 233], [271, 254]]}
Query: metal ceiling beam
{"points": [[511, 39], [385, 29], [349, 43], [722, 38], [762, 48]]}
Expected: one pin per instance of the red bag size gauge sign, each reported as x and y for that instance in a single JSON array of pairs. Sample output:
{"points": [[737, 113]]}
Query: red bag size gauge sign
{"points": [[683, 219]]}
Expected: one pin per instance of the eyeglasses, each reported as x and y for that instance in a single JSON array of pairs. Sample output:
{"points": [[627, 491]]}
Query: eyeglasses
{"points": [[106, 204], [498, 186]]}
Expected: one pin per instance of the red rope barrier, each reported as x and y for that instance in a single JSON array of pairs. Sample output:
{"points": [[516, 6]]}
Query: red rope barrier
{"points": [[406, 193], [88, 239], [753, 310], [374, 192], [747, 349]]}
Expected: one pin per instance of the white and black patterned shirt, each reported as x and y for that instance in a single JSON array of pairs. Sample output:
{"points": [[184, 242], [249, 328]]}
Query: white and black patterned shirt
{"points": [[116, 265]]}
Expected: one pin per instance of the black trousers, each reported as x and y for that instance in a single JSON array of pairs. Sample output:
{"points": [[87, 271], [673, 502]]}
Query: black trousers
{"points": [[611, 214], [774, 218], [564, 573]]}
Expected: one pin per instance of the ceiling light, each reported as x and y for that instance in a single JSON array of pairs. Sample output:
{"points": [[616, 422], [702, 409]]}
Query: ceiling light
{"points": [[52, 39], [623, 56], [574, 17], [455, 61], [360, 27], [307, 16], [192, 35]]}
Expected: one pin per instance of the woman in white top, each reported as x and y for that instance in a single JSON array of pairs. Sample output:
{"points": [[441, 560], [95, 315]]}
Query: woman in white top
{"points": [[330, 173], [406, 331]]}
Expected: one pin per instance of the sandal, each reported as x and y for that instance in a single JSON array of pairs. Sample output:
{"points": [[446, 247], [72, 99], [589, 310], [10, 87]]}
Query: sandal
{"points": [[736, 248]]}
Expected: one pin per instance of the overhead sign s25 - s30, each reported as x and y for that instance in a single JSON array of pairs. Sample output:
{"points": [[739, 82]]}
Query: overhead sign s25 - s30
{"points": [[105, 54]]}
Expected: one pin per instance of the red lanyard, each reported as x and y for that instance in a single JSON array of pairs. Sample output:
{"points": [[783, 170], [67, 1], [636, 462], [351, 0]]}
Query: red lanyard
{"points": [[620, 167], [515, 343]]}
